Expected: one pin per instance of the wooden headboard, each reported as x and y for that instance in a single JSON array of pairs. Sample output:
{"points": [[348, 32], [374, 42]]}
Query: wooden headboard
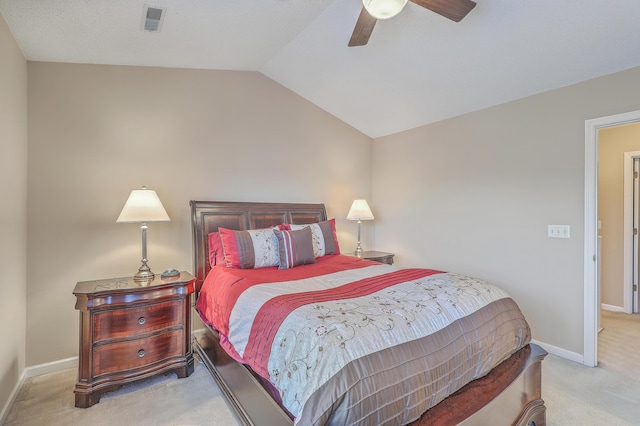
{"points": [[207, 216]]}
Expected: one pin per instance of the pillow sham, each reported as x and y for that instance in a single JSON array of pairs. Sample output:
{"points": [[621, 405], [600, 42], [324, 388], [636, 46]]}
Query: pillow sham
{"points": [[254, 248], [323, 235], [216, 253], [295, 248]]}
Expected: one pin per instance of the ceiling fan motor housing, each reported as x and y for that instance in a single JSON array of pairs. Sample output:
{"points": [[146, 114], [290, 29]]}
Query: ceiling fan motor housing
{"points": [[384, 9]]}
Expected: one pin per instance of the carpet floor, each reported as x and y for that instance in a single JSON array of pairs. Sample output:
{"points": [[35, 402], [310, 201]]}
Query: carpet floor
{"points": [[619, 343], [48, 400], [574, 394]]}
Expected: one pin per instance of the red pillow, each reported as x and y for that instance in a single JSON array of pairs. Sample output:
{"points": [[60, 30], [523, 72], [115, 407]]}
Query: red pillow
{"points": [[216, 253]]}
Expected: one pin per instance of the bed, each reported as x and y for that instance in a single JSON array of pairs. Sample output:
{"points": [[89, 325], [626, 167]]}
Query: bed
{"points": [[507, 389]]}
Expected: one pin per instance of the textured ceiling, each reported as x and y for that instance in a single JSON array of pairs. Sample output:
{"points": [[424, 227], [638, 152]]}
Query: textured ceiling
{"points": [[418, 67]]}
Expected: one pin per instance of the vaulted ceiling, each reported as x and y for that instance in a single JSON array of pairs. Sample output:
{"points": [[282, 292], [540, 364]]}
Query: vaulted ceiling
{"points": [[417, 68]]}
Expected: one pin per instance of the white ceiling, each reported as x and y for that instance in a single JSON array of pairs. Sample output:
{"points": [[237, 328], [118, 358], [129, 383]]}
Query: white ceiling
{"points": [[418, 67]]}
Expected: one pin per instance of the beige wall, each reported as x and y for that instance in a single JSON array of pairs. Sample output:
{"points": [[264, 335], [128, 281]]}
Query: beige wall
{"points": [[97, 132], [474, 194], [613, 142], [13, 213]]}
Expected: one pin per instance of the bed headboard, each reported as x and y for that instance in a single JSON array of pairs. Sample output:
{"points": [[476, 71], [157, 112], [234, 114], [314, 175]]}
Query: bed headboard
{"points": [[207, 216]]}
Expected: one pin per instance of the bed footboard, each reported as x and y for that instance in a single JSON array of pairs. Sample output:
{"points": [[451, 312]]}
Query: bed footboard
{"points": [[251, 402]]}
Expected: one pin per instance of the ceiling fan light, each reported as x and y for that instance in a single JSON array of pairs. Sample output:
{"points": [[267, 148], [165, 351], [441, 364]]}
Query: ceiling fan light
{"points": [[384, 9]]}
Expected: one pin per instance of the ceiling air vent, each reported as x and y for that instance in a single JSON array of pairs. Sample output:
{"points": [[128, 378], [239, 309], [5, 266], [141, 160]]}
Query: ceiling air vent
{"points": [[152, 18]]}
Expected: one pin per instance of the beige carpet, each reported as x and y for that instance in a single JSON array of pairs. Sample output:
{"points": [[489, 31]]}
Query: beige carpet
{"points": [[606, 395], [579, 395], [619, 343], [48, 400], [574, 395]]}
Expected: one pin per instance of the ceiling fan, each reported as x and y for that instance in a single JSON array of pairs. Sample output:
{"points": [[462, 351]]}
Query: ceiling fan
{"points": [[373, 10]]}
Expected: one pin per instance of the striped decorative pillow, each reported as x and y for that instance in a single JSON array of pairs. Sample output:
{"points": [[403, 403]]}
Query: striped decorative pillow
{"points": [[324, 237], [295, 248], [255, 248]]}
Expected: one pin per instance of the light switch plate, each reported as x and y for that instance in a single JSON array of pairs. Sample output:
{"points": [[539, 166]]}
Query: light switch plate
{"points": [[559, 231]]}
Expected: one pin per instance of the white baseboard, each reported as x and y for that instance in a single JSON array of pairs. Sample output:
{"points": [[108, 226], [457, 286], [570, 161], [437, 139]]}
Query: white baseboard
{"points": [[12, 397], [36, 370], [51, 367], [611, 308], [562, 353], [198, 330]]}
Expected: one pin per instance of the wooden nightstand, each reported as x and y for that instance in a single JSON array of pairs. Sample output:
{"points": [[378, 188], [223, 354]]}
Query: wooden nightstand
{"points": [[131, 331], [379, 256]]}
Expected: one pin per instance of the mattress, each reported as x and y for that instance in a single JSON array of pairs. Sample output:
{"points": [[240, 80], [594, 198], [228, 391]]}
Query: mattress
{"points": [[349, 341]]}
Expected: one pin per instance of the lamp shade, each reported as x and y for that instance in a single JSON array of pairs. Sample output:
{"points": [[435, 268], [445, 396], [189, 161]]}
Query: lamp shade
{"points": [[143, 205], [384, 9], [360, 210]]}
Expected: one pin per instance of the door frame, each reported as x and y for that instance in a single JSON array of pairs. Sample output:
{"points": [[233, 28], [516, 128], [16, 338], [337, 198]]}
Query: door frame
{"points": [[591, 308]]}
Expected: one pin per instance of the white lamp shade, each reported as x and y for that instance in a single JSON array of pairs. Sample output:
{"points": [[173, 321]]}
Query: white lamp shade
{"points": [[384, 9], [143, 205], [360, 210]]}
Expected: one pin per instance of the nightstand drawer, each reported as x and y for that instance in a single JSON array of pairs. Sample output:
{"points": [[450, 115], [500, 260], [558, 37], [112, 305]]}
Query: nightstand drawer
{"points": [[128, 322], [115, 357]]}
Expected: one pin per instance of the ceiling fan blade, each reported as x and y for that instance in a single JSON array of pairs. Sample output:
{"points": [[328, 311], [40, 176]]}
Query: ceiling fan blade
{"points": [[363, 29], [452, 9]]}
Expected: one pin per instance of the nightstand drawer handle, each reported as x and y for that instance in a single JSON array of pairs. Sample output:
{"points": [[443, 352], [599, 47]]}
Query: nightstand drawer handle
{"points": [[141, 320], [140, 353]]}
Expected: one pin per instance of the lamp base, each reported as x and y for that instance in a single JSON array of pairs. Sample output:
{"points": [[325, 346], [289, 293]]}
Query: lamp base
{"points": [[358, 251], [144, 273]]}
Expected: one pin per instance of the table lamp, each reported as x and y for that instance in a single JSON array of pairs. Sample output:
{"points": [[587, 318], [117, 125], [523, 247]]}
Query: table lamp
{"points": [[142, 206], [359, 211]]}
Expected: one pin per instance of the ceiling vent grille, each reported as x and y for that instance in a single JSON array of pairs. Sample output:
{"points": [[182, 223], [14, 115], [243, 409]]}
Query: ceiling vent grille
{"points": [[152, 18]]}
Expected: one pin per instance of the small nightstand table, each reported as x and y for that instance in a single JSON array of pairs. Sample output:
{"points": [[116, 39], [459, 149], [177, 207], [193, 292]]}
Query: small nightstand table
{"points": [[379, 256], [130, 331]]}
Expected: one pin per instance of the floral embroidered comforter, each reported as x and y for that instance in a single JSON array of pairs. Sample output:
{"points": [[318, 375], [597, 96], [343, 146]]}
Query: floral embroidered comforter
{"points": [[348, 341]]}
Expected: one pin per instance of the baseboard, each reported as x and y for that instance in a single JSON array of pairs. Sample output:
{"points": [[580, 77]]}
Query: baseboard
{"points": [[12, 397], [36, 370], [199, 330], [51, 367], [560, 352], [611, 308]]}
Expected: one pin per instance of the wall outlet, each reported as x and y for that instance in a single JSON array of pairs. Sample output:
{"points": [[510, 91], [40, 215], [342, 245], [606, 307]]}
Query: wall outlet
{"points": [[558, 231]]}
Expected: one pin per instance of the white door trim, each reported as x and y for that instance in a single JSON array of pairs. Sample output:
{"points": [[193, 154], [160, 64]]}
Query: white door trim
{"points": [[591, 307], [628, 278]]}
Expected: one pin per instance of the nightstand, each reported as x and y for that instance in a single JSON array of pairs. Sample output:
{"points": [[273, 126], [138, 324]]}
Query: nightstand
{"points": [[130, 331], [379, 256]]}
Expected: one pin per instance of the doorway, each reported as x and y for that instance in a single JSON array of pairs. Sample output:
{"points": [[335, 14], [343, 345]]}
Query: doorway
{"points": [[591, 304], [631, 230], [618, 202]]}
